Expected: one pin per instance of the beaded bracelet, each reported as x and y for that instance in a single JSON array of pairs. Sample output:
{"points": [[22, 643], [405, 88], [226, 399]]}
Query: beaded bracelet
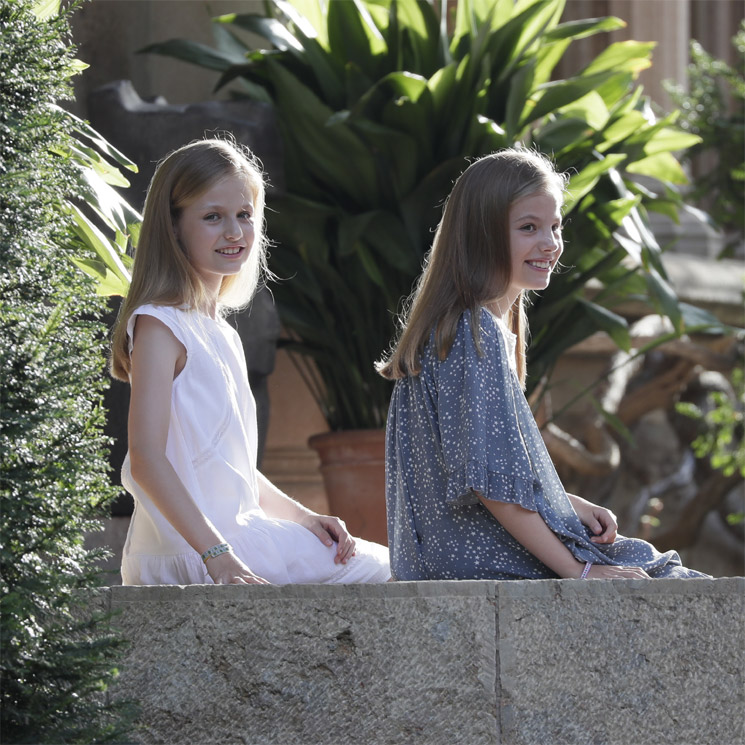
{"points": [[586, 570], [220, 548]]}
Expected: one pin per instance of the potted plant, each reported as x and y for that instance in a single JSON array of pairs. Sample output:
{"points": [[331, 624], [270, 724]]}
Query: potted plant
{"points": [[380, 106]]}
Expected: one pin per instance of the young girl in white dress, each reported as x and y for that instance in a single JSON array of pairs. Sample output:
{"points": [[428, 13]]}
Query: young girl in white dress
{"points": [[203, 512]]}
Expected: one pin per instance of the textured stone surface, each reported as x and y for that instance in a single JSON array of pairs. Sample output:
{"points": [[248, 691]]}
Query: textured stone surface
{"points": [[622, 662], [545, 662], [313, 664]]}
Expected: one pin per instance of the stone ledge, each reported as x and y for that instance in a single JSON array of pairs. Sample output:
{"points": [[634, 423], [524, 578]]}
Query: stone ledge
{"points": [[470, 662]]}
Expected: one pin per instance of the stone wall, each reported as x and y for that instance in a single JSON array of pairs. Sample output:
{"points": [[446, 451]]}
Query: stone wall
{"points": [[541, 663]]}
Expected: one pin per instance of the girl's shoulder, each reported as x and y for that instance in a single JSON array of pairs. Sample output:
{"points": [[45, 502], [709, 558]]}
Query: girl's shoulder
{"points": [[173, 317], [483, 321]]}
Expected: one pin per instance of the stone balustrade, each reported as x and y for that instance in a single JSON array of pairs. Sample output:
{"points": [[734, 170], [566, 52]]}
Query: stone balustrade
{"points": [[452, 663]]}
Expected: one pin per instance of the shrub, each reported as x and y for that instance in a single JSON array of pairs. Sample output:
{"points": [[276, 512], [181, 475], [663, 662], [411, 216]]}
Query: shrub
{"points": [[714, 109], [57, 655]]}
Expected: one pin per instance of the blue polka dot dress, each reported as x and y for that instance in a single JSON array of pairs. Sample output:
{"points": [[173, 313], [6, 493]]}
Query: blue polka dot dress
{"points": [[462, 426]]}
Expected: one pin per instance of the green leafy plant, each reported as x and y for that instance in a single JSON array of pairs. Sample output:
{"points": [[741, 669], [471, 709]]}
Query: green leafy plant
{"points": [[713, 108], [105, 227], [380, 107], [58, 653], [722, 438]]}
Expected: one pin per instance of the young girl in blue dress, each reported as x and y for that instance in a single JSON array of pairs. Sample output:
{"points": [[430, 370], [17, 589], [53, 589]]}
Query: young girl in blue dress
{"points": [[471, 490], [203, 512]]}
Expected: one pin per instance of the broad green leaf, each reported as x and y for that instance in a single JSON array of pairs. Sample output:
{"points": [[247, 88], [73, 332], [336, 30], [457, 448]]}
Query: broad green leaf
{"points": [[558, 134], [353, 36], [591, 108], [420, 37], [662, 166], [108, 284], [664, 297], [582, 182], [583, 28], [422, 208], [327, 153], [669, 139], [77, 66], [698, 320], [485, 136], [415, 120], [629, 56], [546, 59], [621, 128], [194, 53], [107, 202], [110, 174], [270, 28], [441, 85], [387, 235], [107, 252], [614, 325], [351, 230], [557, 95], [398, 151], [298, 221], [510, 43], [102, 145], [227, 41], [471, 16], [308, 17], [45, 9], [518, 101], [292, 269], [390, 87]]}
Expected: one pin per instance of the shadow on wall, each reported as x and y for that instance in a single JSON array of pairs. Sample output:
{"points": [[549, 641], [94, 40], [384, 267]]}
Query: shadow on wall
{"points": [[146, 131]]}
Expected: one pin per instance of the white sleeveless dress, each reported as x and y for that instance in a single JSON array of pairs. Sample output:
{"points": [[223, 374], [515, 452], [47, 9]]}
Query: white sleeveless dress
{"points": [[212, 443]]}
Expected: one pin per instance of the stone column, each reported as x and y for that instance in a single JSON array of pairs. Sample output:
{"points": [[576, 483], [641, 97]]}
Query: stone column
{"points": [[668, 23]]}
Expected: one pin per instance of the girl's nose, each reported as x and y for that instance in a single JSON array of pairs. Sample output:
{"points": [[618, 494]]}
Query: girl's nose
{"points": [[233, 230], [551, 244]]}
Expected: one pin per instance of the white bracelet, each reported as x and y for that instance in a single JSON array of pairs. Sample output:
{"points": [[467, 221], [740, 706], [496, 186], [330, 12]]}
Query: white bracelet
{"points": [[220, 548], [586, 570]]}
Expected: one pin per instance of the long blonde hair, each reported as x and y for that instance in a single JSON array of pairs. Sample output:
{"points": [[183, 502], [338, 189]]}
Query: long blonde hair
{"points": [[470, 262], [162, 273]]}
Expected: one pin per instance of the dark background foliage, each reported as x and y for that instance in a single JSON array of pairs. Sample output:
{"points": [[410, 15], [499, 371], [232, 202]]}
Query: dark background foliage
{"points": [[57, 655]]}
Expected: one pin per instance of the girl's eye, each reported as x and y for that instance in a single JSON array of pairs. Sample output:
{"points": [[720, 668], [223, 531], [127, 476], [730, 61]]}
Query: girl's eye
{"points": [[529, 228], [212, 217], [245, 216], [557, 228]]}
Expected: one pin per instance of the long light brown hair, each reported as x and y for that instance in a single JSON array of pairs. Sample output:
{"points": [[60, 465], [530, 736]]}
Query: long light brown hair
{"points": [[162, 272], [470, 263]]}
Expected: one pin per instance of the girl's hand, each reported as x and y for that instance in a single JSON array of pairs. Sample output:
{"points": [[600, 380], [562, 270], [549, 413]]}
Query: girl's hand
{"points": [[602, 571], [330, 529], [603, 523], [599, 520], [228, 569]]}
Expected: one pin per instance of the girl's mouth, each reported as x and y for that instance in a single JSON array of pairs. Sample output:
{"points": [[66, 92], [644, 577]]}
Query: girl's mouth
{"points": [[540, 265], [230, 250]]}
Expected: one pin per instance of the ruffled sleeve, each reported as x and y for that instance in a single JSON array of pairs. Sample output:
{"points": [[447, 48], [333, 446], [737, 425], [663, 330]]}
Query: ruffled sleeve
{"points": [[482, 443]]}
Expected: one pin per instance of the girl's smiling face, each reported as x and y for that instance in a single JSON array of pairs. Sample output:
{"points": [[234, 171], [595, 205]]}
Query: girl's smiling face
{"points": [[217, 231], [535, 241]]}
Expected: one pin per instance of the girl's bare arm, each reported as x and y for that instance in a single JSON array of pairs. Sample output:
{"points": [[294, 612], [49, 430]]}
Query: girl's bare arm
{"points": [[530, 530]]}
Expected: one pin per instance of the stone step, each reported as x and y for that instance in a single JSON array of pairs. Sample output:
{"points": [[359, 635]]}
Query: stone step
{"points": [[524, 662]]}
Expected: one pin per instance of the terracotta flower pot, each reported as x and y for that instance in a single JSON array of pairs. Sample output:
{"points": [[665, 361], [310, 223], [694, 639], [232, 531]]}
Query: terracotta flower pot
{"points": [[353, 470]]}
